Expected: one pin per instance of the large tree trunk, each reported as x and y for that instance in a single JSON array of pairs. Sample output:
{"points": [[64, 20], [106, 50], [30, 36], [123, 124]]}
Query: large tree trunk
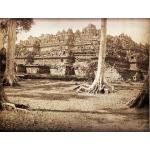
{"points": [[142, 98], [5, 104], [99, 85], [3, 97], [7, 71], [9, 77], [1, 40]]}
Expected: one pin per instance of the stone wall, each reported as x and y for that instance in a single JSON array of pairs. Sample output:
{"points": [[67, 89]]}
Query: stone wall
{"points": [[111, 74], [84, 45], [55, 66]]}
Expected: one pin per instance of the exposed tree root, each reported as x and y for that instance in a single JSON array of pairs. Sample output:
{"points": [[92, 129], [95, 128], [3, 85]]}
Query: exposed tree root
{"points": [[7, 81], [12, 106], [81, 88], [5, 104], [140, 102], [22, 106], [142, 99], [101, 89], [3, 97], [95, 89]]}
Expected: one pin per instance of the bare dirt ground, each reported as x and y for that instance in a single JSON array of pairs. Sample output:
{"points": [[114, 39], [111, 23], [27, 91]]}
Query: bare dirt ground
{"points": [[56, 107]]}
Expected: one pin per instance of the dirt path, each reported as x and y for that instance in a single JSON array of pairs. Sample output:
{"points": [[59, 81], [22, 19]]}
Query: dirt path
{"points": [[56, 107]]}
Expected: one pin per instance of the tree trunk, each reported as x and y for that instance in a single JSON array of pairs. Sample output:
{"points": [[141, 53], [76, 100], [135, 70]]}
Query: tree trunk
{"points": [[9, 77], [1, 40], [5, 104], [3, 97], [7, 72], [99, 85], [142, 98]]}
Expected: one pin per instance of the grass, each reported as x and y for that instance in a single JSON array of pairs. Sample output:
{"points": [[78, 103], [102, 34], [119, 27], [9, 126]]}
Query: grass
{"points": [[56, 107]]}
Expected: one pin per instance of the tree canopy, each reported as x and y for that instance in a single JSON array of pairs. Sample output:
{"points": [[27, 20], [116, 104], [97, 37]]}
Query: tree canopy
{"points": [[22, 23]]}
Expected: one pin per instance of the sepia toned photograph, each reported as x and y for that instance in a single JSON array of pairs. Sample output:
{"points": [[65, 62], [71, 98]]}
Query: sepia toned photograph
{"points": [[74, 75]]}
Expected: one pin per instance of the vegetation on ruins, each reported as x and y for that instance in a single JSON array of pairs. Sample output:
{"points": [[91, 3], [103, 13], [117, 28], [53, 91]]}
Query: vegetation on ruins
{"points": [[120, 48], [87, 42]]}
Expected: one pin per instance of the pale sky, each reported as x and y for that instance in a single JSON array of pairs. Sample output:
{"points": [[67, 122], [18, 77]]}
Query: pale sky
{"points": [[138, 29]]}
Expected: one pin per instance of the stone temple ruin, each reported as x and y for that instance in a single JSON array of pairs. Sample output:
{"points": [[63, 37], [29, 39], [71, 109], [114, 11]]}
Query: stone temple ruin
{"points": [[68, 53]]}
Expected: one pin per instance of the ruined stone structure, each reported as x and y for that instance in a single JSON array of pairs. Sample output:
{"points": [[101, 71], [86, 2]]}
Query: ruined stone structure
{"points": [[85, 43], [57, 66], [84, 46]]}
